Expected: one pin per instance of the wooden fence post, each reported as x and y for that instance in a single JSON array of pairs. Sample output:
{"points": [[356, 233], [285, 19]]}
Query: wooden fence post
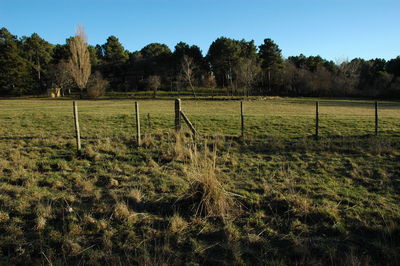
{"points": [[316, 120], [178, 115], [189, 124], [77, 130], [242, 119], [376, 118], [138, 138]]}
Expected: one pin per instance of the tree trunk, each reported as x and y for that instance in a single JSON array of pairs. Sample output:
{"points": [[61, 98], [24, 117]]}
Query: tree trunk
{"points": [[269, 80], [38, 63], [191, 86]]}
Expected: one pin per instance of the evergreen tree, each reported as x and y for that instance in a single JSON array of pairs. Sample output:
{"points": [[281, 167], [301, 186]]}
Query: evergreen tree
{"points": [[224, 56], [61, 52], [38, 52], [157, 61], [393, 66], [271, 58], [155, 50], [15, 78], [114, 52]]}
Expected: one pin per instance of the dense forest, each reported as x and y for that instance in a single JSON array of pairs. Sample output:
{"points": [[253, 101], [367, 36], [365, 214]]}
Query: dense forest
{"points": [[31, 65]]}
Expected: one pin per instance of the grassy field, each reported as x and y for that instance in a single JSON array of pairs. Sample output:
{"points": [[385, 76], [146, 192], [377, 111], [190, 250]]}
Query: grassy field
{"points": [[276, 197]]}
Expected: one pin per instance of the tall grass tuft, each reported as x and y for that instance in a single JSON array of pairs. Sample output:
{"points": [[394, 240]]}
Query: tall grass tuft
{"points": [[205, 190]]}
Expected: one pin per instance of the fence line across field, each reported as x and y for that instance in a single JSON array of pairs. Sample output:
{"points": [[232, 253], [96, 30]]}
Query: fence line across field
{"points": [[180, 115], [244, 114]]}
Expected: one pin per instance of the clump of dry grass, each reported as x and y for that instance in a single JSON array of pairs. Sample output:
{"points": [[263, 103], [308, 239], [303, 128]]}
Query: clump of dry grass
{"points": [[75, 230], [63, 165], [4, 164], [4, 217], [71, 248], [122, 212], [136, 195], [84, 185], [177, 150], [107, 238], [43, 213], [182, 147], [177, 224], [92, 154], [113, 182], [205, 189], [148, 141], [15, 156], [104, 145], [89, 220]]}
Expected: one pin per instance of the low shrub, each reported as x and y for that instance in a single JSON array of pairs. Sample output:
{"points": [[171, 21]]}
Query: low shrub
{"points": [[96, 85]]}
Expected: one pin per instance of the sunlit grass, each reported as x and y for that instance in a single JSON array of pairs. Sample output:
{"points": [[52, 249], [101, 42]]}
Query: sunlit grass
{"points": [[277, 196]]}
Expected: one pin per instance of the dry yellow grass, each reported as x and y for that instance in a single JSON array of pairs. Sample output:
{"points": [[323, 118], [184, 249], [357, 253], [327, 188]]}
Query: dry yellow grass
{"points": [[43, 212], [204, 186], [136, 195], [177, 224], [122, 213]]}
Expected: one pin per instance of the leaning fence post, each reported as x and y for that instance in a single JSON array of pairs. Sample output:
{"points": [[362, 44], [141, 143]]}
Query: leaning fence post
{"points": [[138, 139], [178, 114], [242, 119], [77, 130], [189, 124], [376, 118], [148, 121], [316, 120]]}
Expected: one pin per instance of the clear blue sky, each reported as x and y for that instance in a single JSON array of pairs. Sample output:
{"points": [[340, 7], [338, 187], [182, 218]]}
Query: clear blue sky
{"points": [[334, 29]]}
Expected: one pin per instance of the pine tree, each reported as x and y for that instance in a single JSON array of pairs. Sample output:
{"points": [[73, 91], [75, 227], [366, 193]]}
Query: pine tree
{"points": [[271, 57], [15, 78]]}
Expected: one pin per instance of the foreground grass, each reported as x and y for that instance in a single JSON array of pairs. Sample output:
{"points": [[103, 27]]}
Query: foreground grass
{"points": [[278, 197]]}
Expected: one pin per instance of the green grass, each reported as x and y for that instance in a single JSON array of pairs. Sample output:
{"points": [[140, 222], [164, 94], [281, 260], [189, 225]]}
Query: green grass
{"points": [[295, 200]]}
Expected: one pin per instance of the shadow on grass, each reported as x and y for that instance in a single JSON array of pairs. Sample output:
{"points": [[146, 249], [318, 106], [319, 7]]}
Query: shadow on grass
{"points": [[341, 144]]}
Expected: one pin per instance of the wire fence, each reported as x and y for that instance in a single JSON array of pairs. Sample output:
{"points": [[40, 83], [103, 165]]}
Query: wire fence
{"points": [[289, 118]]}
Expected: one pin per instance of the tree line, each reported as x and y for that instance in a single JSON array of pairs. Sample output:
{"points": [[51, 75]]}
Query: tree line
{"points": [[31, 65]]}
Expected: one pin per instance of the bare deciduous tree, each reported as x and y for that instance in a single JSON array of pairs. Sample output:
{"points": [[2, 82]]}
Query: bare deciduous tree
{"points": [[187, 71], [79, 61], [154, 83], [246, 72], [350, 73], [61, 76]]}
